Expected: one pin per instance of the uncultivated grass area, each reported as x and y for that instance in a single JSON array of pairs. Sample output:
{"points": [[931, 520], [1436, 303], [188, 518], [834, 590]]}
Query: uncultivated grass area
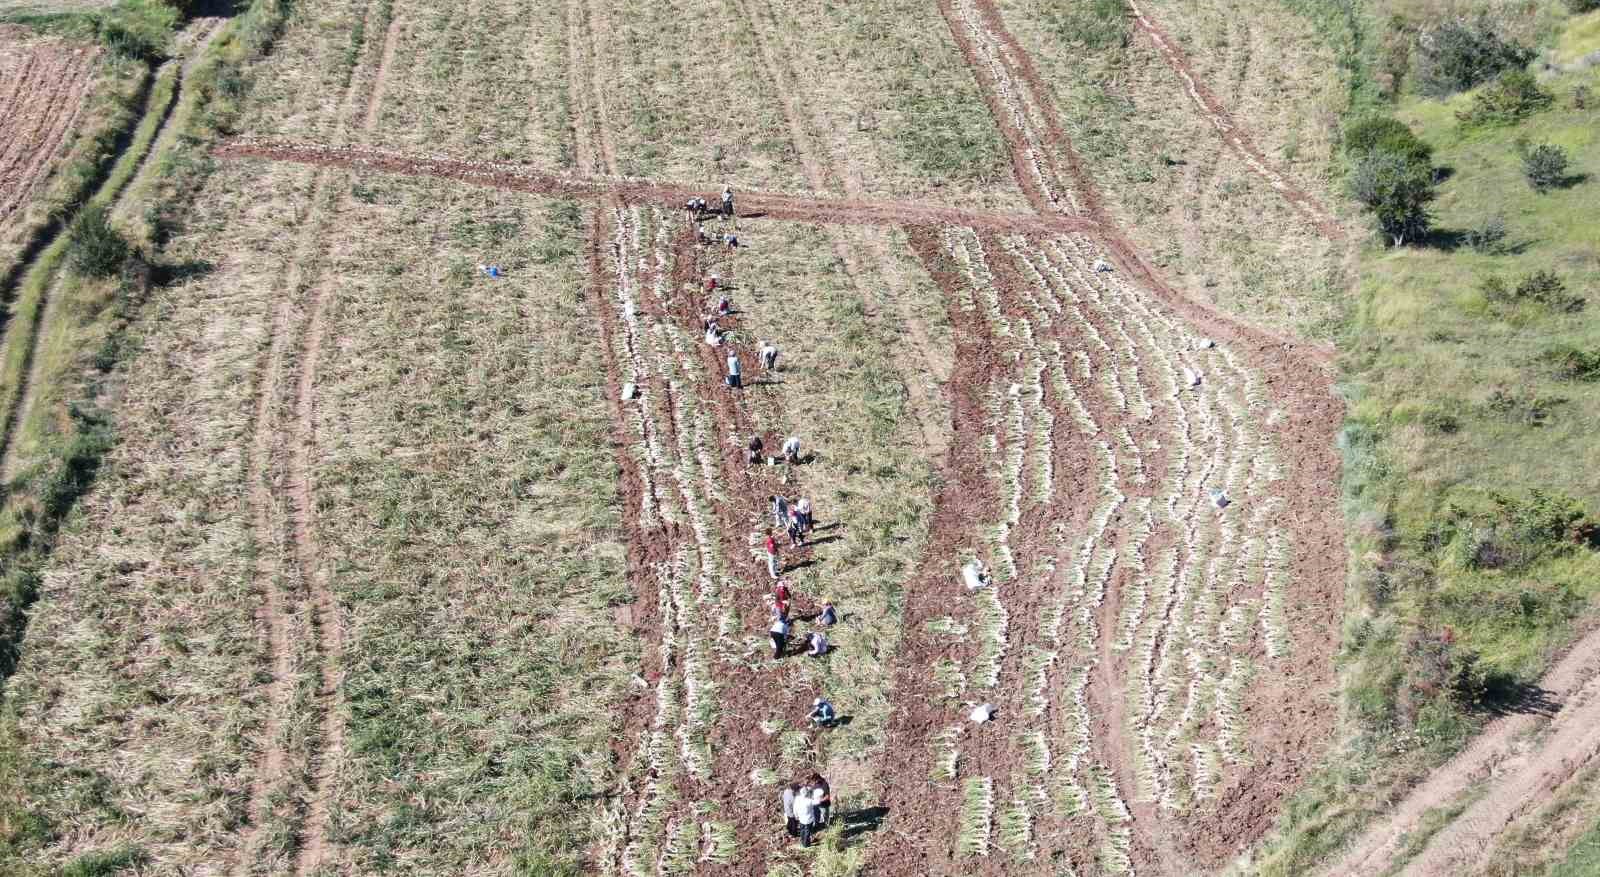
{"points": [[1460, 412], [468, 510], [892, 100], [485, 81], [1218, 232]]}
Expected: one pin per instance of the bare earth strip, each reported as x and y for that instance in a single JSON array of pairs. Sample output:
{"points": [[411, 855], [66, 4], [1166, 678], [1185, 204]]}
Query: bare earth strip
{"points": [[276, 611], [1230, 131], [752, 205], [1517, 780]]}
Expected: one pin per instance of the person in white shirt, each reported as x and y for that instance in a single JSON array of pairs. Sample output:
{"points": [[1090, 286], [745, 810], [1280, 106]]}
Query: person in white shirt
{"points": [[780, 635], [819, 644], [734, 372], [791, 449], [804, 508], [790, 793], [769, 356], [805, 813]]}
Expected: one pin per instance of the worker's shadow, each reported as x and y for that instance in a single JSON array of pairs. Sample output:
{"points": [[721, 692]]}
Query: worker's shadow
{"points": [[813, 543], [794, 566], [858, 822], [839, 722]]}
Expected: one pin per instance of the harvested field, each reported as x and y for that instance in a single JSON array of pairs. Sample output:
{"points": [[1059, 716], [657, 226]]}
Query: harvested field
{"points": [[432, 594], [43, 85]]}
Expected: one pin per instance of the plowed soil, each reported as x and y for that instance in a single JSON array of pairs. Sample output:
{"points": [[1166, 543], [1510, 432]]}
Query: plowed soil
{"points": [[43, 84]]}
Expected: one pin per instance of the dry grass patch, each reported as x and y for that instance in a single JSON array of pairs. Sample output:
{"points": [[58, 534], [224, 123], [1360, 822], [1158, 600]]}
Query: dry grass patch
{"points": [[1218, 232]]}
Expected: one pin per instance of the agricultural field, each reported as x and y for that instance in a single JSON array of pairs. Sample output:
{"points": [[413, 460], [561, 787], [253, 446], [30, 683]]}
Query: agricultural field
{"points": [[379, 504]]}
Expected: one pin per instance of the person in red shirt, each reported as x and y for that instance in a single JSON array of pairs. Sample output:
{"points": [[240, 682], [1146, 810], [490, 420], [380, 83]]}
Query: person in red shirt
{"points": [[772, 556]]}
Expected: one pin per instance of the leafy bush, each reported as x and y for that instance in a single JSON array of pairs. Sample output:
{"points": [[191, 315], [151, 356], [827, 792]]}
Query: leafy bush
{"points": [[1513, 96], [139, 29], [1544, 166], [1488, 236], [94, 248], [1380, 133], [1573, 363], [1541, 287], [1397, 191], [1456, 56], [1095, 25], [1583, 5]]}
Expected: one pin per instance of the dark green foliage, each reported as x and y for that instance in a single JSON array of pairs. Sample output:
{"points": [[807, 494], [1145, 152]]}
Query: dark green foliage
{"points": [[1458, 55], [104, 864], [1094, 25], [1578, 6], [1515, 533], [1544, 166], [1540, 287], [1512, 97], [1397, 191], [94, 247], [1572, 363], [1488, 237], [1381, 133]]}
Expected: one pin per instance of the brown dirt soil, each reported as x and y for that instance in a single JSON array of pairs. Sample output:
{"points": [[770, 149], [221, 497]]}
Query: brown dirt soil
{"points": [[1524, 757], [45, 83], [751, 205], [1230, 131], [1291, 713]]}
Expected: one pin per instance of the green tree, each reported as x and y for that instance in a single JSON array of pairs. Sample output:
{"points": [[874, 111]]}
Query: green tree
{"points": [[1397, 191], [1545, 166], [1380, 133], [1458, 55]]}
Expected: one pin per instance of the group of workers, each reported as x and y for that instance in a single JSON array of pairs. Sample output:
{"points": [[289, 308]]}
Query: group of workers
{"points": [[806, 805]]}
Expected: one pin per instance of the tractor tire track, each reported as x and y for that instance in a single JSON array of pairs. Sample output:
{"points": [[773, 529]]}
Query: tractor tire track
{"points": [[917, 363], [289, 493], [629, 191], [1229, 130], [1567, 711]]}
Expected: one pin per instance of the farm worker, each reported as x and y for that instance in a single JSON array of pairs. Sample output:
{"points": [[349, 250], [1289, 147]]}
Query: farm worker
{"points": [[733, 370], [822, 713], [824, 797], [791, 449], [711, 283], [829, 616], [724, 306], [769, 356], [797, 536], [772, 556], [803, 507], [780, 597], [780, 635], [700, 234], [727, 201], [790, 792], [819, 644], [805, 812], [753, 450], [691, 210], [732, 240], [780, 509]]}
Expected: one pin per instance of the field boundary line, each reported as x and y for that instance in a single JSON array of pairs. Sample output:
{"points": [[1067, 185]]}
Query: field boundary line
{"points": [[1229, 130], [753, 204]]}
